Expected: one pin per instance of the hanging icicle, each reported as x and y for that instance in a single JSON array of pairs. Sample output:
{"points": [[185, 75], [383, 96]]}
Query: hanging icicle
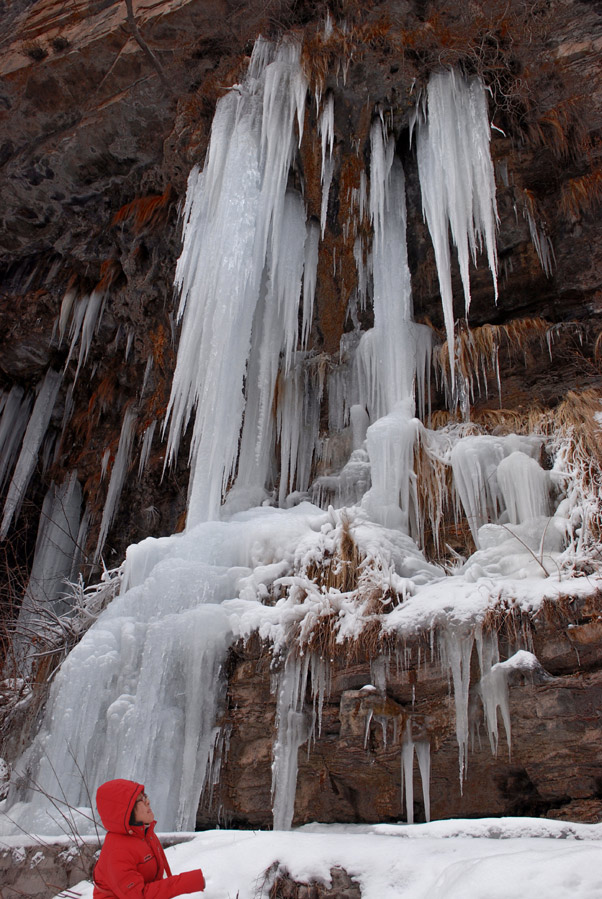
{"points": [[241, 229], [57, 549], [118, 473], [32, 441], [457, 181], [292, 731]]}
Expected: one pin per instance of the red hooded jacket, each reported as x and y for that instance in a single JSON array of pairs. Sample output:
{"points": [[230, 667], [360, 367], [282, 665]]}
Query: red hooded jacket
{"points": [[132, 864]]}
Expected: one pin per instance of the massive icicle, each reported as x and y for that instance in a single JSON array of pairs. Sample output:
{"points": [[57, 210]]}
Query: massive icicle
{"points": [[387, 353], [118, 474], [56, 559], [457, 181], [16, 409], [292, 731], [32, 440], [236, 248], [423, 754]]}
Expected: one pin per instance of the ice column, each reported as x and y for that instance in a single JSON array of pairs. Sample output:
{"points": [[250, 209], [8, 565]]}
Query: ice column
{"points": [[407, 775], [457, 181], [237, 223], [423, 754], [297, 422], [118, 473], [16, 409], [386, 353], [391, 499], [525, 487], [476, 462], [32, 440], [56, 557], [292, 731], [138, 696]]}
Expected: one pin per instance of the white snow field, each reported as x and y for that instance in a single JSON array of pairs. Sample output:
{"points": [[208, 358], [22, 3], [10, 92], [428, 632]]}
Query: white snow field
{"points": [[501, 858]]}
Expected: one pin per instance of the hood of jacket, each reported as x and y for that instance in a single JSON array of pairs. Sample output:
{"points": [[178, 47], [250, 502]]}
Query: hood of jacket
{"points": [[115, 801]]}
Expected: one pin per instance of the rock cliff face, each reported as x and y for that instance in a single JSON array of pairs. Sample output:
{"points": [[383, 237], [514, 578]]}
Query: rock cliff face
{"points": [[352, 771], [103, 111]]}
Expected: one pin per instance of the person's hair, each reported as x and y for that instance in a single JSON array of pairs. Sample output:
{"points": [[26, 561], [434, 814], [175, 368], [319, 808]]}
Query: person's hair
{"points": [[133, 821]]}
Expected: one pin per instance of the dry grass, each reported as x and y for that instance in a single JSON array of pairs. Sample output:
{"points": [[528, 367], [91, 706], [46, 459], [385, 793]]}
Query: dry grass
{"points": [[558, 612], [509, 622], [582, 195], [494, 39], [110, 271], [509, 421], [560, 129], [576, 416], [434, 489], [324, 640], [344, 572], [146, 213], [575, 432], [341, 571], [477, 350]]}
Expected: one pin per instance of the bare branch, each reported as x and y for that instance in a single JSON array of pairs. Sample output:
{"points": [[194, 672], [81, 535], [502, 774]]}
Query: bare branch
{"points": [[145, 48]]}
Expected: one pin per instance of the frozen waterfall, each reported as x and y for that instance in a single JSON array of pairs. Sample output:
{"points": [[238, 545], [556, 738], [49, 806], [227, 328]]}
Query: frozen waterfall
{"points": [[140, 694]]}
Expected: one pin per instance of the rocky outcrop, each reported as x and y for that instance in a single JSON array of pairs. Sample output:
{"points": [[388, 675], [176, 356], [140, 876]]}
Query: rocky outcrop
{"points": [[341, 887], [350, 771], [44, 870]]}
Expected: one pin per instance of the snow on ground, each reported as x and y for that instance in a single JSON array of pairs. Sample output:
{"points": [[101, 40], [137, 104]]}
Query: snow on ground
{"points": [[492, 858]]}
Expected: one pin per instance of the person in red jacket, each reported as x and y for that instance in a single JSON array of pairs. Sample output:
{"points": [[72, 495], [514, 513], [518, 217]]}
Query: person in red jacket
{"points": [[132, 864]]}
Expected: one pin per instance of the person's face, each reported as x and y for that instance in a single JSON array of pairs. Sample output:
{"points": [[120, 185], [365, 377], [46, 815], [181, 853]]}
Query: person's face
{"points": [[143, 812]]}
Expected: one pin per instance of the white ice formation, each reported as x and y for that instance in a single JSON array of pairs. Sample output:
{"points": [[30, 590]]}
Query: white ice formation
{"points": [[118, 474], [457, 180], [139, 694], [83, 314], [30, 447], [56, 562]]}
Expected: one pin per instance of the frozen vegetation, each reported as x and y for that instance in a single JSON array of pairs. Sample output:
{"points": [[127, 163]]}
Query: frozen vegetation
{"points": [[141, 690]]}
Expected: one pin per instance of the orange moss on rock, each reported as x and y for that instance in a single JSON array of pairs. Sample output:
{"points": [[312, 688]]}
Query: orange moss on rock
{"points": [[145, 213]]}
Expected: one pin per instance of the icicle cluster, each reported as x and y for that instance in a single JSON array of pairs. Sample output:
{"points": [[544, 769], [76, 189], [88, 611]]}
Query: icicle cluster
{"points": [[118, 474], [61, 536], [457, 181], [240, 276], [30, 447]]}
